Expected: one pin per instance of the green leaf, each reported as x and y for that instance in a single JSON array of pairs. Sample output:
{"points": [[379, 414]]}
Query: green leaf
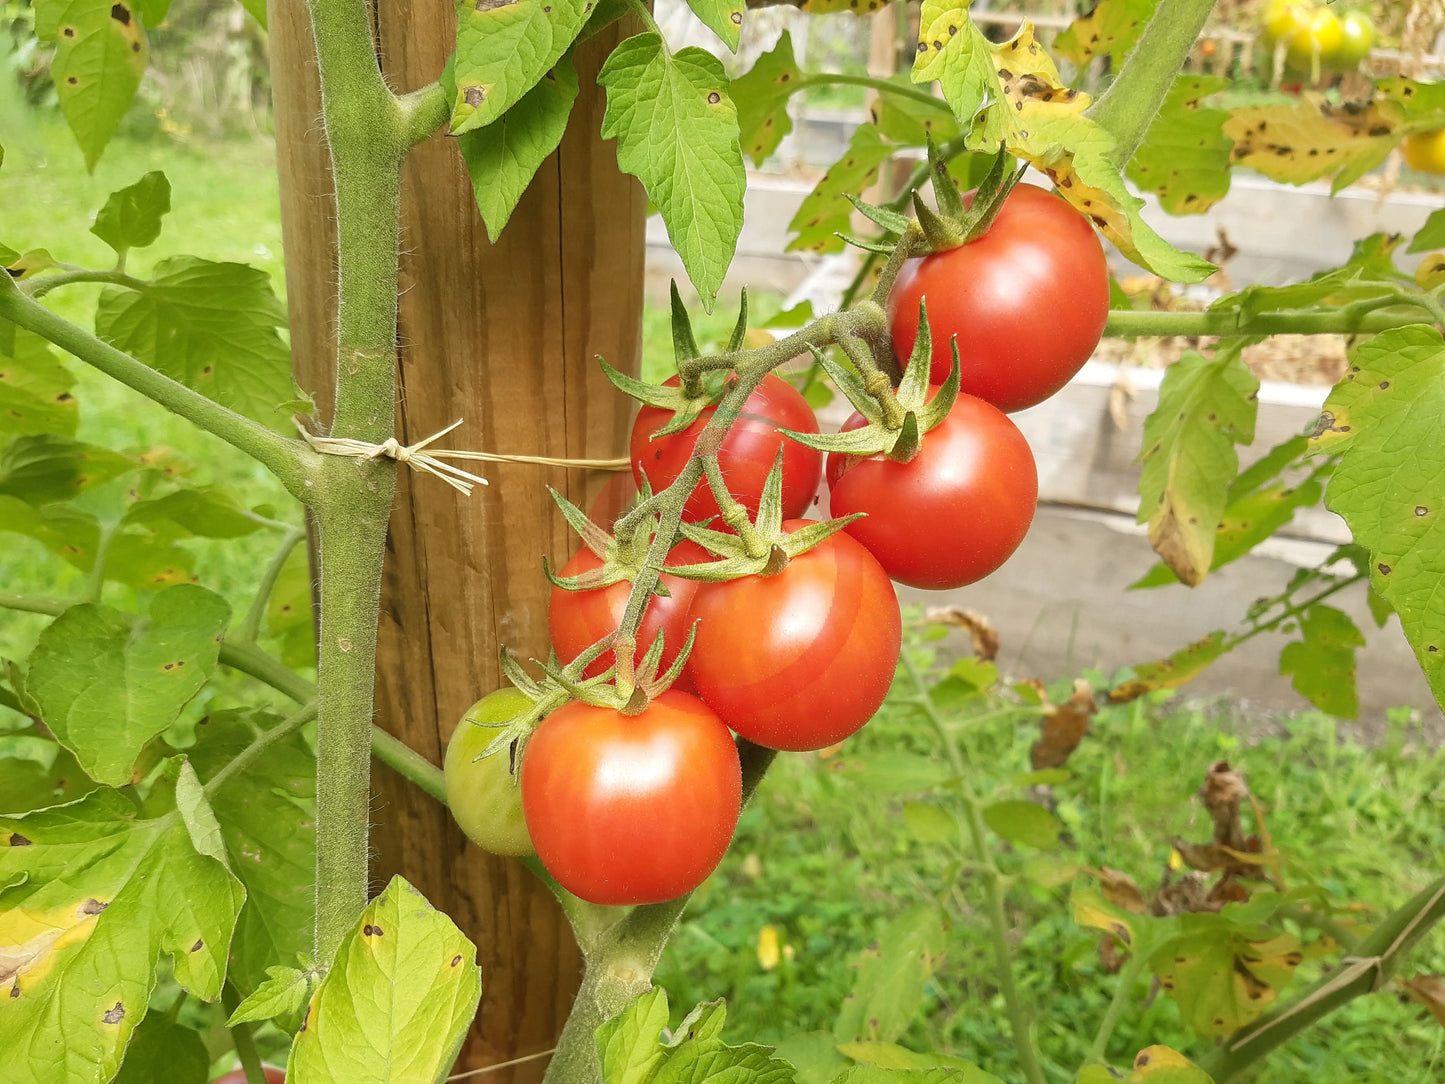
{"points": [[872, 1074], [1091, 910], [1322, 663], [281, 996], [628, 1043], [503, 49], [36, 772], [34, 387], [1384, 419], [1184, 158], [1206, 406], [1369, 273], [889, 991], [257, 10], [677, 132], [761, 97], [1024, 822], [204, 511], [907, 121], [503, 157], [131, 218], [213, 327], [289, 614], [723, 17], [162, 1050], [267, 818], [397, 1002], [896, 772], [929, 824], [628, 1047], [893, 1056], [46, 468], [97, 894], [152, 12], [108, 683], [825, 211], [1161, 1065], [1431, 235], [100, 55], [1111, 29], [1184, 665]]}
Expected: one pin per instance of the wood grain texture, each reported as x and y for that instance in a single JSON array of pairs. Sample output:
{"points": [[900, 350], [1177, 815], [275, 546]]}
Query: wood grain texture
{"points": [[505, 337]]}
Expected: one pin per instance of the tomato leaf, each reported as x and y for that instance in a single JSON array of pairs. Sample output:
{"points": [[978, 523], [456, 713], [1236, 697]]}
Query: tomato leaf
{"points": [[213, 327], [877, 1074], [825, 211], [1369, 273], [47, 468], [889, 990], [761, 97], [677, 132], [928, 824], [1183, 666], [100, 55], [1431, 234], [1322, 662], [629, 1048], [503, 49], [281, 996], [108, 683], [267, 816], [628, 1043], [723, 17], [398, 1000], [289, 614], [912, 123], [35, 394], [203, 511], [131, 217], [37, 772], [1024, 822], [503, 157], [1206, 406], [1184, 158], [97, 893], [1383, 419], [1162, 1065], [163, 1050], [1112, 29], [893, 1056]]}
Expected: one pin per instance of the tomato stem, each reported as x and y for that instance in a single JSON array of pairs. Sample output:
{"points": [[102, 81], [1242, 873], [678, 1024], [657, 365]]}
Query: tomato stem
{"points": [[1368, 316]]}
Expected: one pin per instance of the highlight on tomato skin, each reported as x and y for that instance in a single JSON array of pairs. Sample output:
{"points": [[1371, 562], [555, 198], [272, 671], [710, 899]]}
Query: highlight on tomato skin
{"points": [[802, 659], [1027, 300], [746, 455], [952, 514], [632, 809]]}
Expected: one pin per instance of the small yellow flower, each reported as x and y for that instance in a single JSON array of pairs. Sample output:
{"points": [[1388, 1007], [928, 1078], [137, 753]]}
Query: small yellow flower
{"points": [[769, 951]]}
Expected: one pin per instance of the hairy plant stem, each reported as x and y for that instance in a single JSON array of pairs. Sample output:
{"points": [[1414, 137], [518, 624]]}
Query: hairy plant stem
{"points": [[43, 284], [287, 459], [883, 86], [988, 871], [1132, 101], [1356, 319], [1137, 966], [1368, 968]]}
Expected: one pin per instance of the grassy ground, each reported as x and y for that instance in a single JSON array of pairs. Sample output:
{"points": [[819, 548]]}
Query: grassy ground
{"points": [[820, 857]]}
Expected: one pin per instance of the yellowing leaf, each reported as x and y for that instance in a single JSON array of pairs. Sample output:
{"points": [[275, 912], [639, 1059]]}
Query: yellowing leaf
{"points": [[1182, 666], [1111, 29], [1184, 158]]}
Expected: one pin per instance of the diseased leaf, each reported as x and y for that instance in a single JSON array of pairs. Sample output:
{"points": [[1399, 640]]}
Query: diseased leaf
{"points": [[761, 97], [1383, 419], [131, 217], [825, 211], [1206, 406], [1184, 158], [36, 772], [1322, 663], [888, 992], [503, 157], [97, 893], [267, 818], [35, 387], [213, 327], [289, 614], [723, 17], [397, 1002], [503, 48], [912, 123], [1184, 665], [1369, 273], [677, 132], [100, 55], [46, 468], [1111, 29], [108, 683]]}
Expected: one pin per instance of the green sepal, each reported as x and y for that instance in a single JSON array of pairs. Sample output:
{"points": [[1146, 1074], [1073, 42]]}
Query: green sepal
{"points": [[675, 670], [989, 199], [882, 248], [513, 672], [941, 234], [769, 521], [646, 670], [657, 395], [945, 188], [684, 344], [913, 387], [740, 329], [849, 383], [594, 537], [908, 441], [891, 221], [611, 572], [862, 441], [735, 562], [936, 409]]}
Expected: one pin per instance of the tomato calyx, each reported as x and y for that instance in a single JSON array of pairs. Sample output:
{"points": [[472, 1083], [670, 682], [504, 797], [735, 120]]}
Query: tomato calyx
{"points": [[622, 556], [896, 433]]}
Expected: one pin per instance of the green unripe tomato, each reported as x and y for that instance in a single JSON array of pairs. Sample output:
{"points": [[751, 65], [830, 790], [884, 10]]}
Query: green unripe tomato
{"points": [[1358, 35], [483, 796]]}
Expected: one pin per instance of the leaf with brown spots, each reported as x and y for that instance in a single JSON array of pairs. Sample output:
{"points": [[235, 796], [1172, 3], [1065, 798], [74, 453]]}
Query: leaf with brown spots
{"points": [[723, 17], [981, 633], [35, 387], [1322, 662], [503, 49], [1183, 666], [1161, 1065], [100, 55], [762, 100], [1111, 29], [393, 1009], [99, 893], [889, 987], [1184, 158], [1206, 407], [1383, 419], [1063, 728], [825, 211]]}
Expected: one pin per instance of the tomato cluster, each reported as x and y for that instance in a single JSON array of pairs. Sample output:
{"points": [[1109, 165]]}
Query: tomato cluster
{"points": [[1316, 34]]}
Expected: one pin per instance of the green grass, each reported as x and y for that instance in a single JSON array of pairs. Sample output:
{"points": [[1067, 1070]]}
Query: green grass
{"points": [[829, 861]]}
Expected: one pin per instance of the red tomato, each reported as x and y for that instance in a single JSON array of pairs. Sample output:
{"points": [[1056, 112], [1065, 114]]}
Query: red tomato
{"points": [[238, 1076], [1027, 300], [746, 455], [953, 513], [802, 659], [578, 619], [631, 809]]}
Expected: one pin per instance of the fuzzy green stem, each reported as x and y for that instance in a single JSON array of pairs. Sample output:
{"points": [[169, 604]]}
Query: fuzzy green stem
{"points": [[1132, 101], [1348, 320], [283, 457], [39, 287], [242, 1040], [883, 86], [1129, 977], [408, 763], [257, 748], [1367, 969], [250, 628], [424, 112], [991, 877]]}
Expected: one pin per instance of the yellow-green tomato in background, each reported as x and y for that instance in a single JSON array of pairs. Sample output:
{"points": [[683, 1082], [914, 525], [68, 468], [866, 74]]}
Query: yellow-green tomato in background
{"points": [[483, 796], [1425, 151], [1357, 36], [1322, 37]]}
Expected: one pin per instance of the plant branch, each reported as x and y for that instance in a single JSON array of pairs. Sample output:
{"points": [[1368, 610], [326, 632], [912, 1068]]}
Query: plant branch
{"points": [[883, 86], [245, 1045], [1132, 101], [1348, 320], [43, 284], [257, 748], [283, 457], [251, 626], [1138, 964], [424, 113], [1366, 970]]}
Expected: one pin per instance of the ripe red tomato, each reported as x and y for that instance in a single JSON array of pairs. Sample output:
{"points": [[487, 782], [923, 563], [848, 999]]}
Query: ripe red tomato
{"points": [[746, 455], [1027, 300], [953, 513], [238, 1076], [578, 619], [802, 659], [632, 809]]}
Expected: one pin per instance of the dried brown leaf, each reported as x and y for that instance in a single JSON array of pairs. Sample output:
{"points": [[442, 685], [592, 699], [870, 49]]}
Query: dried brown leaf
{"points": [[980, 630], [1064, 727]]}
